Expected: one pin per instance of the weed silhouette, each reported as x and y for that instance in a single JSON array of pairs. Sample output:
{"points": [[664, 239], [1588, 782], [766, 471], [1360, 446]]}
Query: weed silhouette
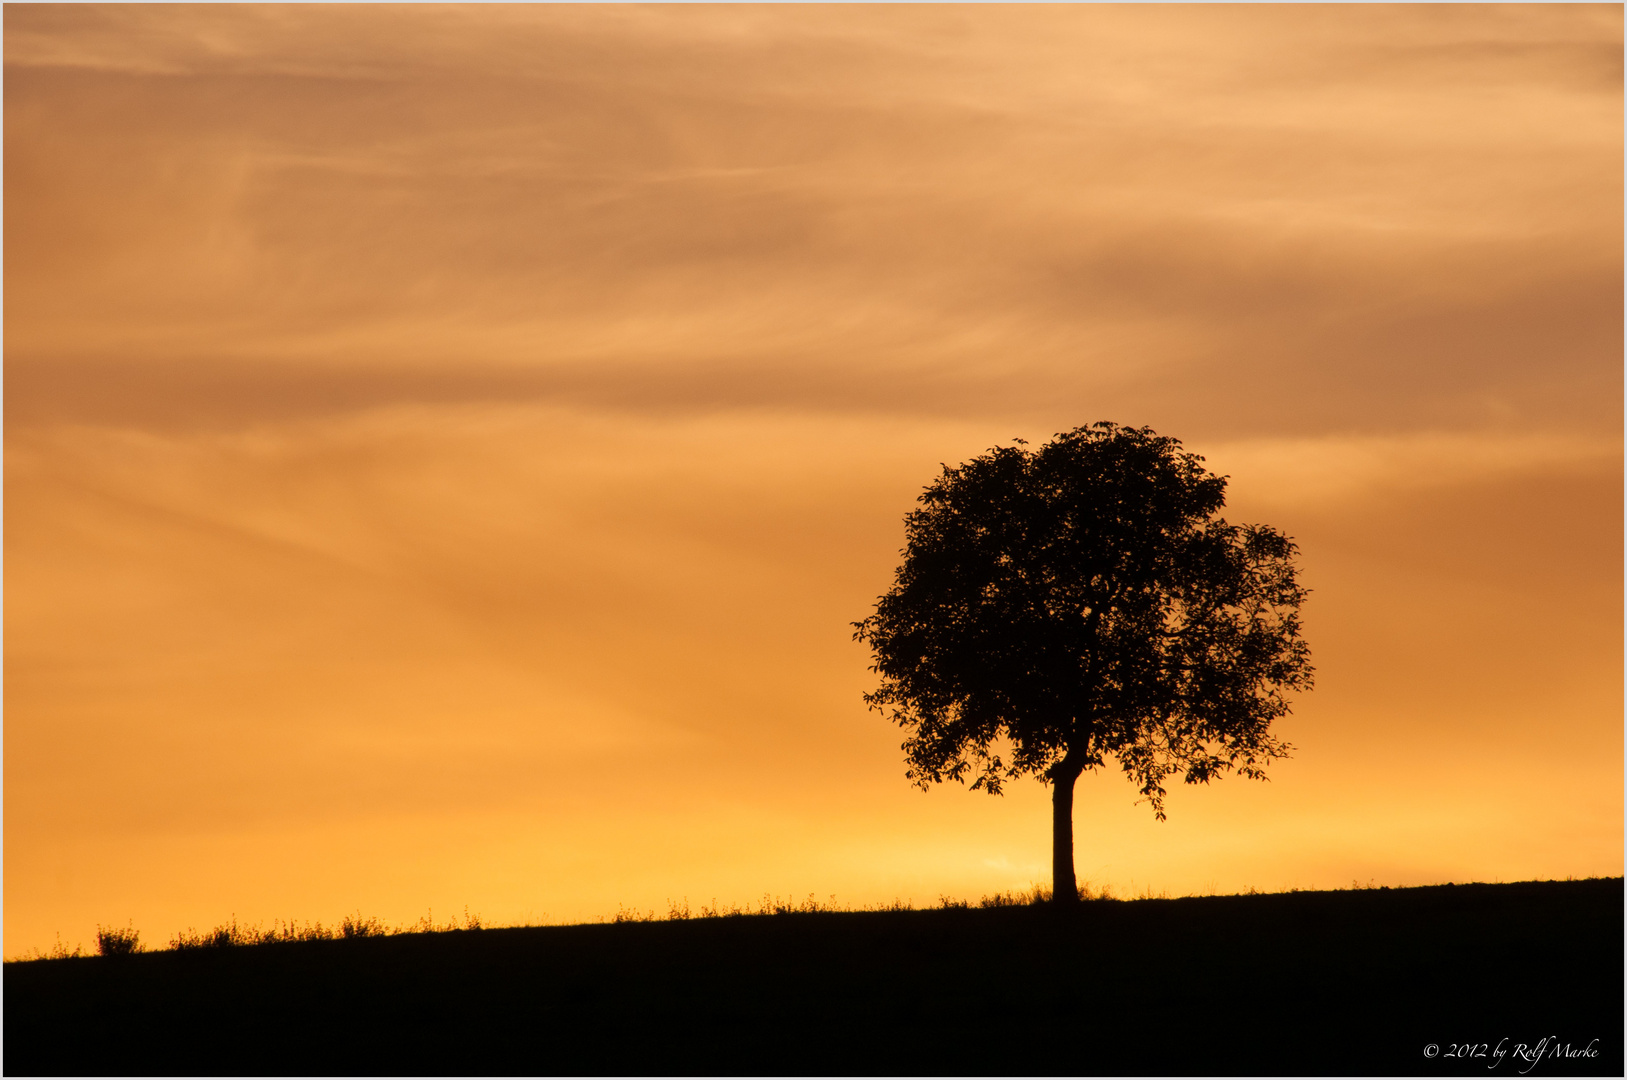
{"points": [[112, 941], [355, 926]]}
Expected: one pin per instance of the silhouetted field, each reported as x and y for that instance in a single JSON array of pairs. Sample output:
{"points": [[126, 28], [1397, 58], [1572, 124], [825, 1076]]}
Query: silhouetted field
{"points": [[1312, 982]]}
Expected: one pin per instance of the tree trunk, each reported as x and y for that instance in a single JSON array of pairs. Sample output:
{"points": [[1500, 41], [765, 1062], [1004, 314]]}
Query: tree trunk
{"points": [[1064, 888]]}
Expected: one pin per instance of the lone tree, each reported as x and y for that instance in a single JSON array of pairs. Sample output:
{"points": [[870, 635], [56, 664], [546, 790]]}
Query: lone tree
{"points": [[1060, 606]]}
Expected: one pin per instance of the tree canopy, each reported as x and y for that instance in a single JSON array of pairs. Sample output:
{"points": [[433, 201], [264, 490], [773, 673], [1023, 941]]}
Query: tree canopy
{"points": [[1082, 601]]}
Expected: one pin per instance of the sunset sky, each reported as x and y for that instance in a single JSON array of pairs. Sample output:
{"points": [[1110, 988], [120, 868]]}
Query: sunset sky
{"points": [[446, 447]]}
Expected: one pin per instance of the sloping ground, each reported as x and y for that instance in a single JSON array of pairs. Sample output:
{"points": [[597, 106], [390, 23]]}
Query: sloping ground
{"points": [[1302, 983]]}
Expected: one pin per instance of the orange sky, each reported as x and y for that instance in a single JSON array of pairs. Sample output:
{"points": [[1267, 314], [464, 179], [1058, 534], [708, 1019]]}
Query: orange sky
{"points": [[445, 448]]}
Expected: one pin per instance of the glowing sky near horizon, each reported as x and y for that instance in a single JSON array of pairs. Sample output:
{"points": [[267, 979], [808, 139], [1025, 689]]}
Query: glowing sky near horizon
{"points": [[445, 447]]}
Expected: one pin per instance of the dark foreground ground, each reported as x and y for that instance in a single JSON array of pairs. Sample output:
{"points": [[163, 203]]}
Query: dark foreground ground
{"points": [[1362, 982]]}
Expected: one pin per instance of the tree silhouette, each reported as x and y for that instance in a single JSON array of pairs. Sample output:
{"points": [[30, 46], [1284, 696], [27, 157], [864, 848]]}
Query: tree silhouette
{"points": [[1081, 601]]}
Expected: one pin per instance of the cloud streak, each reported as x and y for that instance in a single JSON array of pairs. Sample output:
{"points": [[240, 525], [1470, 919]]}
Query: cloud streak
{"points": [[970, 211]]}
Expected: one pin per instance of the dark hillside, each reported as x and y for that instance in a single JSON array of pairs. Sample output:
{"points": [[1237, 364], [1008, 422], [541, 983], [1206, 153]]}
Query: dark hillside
{"points": [[1300, 983]]}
